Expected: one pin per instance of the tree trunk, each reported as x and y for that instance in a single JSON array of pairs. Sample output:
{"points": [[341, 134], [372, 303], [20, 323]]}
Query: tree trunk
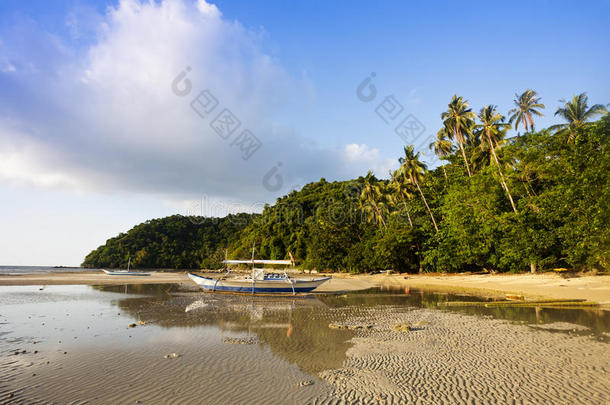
{"points": [[444, 171], [380, 216], [493, 151], [465, 160], [426, 202], [532, 267], [408, 215]]}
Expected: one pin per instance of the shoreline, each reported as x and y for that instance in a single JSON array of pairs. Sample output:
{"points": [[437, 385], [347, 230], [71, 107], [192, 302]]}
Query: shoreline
{"points": [[335, 285], [531, 286]]}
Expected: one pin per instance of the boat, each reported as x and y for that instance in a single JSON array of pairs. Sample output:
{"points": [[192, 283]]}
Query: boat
{"points": [[125, 272], [258, 282]]}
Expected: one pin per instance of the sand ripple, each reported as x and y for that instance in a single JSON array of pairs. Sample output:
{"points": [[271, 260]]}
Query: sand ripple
{"points": [[464, 359]]}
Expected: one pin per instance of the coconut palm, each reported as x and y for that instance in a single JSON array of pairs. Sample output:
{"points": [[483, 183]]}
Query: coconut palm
{"points": [[371, 200], [458, 121], [490, 131], [526, 105], [576, 112], [403, 192], [412, 169], [442, 147]]}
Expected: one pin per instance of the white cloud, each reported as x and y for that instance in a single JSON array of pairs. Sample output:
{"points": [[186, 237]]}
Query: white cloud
{"points": [[104, 116]]}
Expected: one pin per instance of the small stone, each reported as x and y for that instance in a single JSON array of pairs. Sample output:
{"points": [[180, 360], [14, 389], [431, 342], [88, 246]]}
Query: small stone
{"points": [[172, 356], [239, 341], [142, 323], [132, 325], [402, 327], [306, 383]]}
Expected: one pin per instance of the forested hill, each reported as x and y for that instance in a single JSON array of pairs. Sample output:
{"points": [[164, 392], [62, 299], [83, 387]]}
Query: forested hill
{"points": [[538, 200], [175, 242]]}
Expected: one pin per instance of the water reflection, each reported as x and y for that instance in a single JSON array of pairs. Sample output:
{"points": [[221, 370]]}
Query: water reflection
{"points": [[294, 329], [297, 329]]}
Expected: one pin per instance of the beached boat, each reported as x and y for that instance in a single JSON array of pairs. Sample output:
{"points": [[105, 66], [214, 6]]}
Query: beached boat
{"points": [[127, 272], [258, 281], [267, 283]]}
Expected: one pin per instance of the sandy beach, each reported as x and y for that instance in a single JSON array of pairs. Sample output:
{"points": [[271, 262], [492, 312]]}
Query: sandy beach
{"points": [[531, 286]]}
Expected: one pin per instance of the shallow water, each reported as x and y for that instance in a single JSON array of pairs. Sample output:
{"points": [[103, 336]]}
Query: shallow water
{"points": [[79, 345]]}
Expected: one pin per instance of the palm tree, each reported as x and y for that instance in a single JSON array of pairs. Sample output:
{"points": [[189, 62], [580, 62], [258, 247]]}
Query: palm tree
{"points": [[458, 121], [403, 191], [576, 112], [526, 105], [442, 147], [412, 169], [370, 198], [490, 130]]}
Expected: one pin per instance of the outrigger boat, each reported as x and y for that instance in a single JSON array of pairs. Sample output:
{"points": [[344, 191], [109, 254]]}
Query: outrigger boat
{"points": [[125, 272], [258, 281]]}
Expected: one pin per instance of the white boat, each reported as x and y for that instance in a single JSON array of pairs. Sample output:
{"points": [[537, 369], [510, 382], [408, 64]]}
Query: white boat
{"points": [[125, 272], [258, 282]]}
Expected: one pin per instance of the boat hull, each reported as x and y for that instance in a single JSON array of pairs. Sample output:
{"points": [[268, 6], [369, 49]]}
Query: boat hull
{"points": [[280, 286]]}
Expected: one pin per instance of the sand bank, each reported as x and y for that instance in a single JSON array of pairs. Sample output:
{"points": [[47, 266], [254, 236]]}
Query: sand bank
{"points": [[592, 288]]}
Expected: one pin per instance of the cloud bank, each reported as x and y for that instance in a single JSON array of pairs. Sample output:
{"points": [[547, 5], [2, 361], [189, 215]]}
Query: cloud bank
{"points": [[110, 115]]}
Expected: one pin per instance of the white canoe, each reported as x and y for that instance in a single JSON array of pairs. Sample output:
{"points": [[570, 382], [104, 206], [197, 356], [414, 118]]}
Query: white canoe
{"points": [[278, 285], [125, 273]]}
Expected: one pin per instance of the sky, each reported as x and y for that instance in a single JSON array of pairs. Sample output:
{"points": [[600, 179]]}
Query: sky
{"points": [[115, 112]]}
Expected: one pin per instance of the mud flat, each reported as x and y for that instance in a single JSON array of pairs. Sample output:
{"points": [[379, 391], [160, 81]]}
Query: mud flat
{"points": [[452, 358]]}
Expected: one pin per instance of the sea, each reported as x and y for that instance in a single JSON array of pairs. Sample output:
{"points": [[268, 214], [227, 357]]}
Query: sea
{"points": [[14, 270]]}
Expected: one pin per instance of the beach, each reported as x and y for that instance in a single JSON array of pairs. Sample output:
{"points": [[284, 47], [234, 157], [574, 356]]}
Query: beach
{"points": [[97, 339], [544, 285], [531, 286]]}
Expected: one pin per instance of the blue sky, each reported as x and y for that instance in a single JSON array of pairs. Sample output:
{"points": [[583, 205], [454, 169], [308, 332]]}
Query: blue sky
{"points": [[92, 141]]}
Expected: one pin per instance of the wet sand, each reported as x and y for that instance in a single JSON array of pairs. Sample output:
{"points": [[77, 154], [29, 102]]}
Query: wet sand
{"points": [[531, 286], [459, 359], [115, 344]]}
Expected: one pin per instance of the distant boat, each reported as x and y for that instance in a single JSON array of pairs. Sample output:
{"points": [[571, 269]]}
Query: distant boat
{"points": [[258, 281], [125, 272]]}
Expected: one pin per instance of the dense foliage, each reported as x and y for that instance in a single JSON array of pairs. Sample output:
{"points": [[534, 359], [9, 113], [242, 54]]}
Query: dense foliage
{"points": [[538, 200], [174, 242]]}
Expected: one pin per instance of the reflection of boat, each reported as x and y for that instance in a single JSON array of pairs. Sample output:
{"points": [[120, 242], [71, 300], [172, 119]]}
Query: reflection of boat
{"points": [[259, 282], [125, 272]]}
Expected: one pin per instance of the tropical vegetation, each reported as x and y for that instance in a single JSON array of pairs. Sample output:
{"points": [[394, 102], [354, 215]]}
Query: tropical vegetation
{"points": [[536, 200]]}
